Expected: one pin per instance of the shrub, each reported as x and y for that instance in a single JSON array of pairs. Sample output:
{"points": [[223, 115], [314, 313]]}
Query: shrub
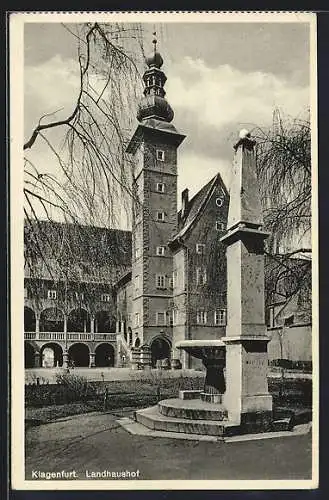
{"points": [[76, 385]]}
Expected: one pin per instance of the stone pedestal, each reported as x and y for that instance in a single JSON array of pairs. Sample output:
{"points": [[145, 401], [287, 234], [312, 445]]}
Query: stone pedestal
{"points": [[247, 399]]}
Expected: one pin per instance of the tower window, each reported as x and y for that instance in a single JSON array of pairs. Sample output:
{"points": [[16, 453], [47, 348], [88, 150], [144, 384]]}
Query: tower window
{"points": [[220, 226], [137, 282], [220, 317], [219, 202], [160, 154], [160, 216], [160, 281], [160, 251], [201, 276], [161, 318], [201, 317], [200, 247], [52, 294], [136, 319], [160, 187]]}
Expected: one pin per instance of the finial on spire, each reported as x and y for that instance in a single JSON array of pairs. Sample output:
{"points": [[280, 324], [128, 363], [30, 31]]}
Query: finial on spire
{"points": [[155, 41]]}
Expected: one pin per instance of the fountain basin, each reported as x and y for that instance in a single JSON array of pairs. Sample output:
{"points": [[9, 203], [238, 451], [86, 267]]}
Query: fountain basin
{"points": [[212, 354]]}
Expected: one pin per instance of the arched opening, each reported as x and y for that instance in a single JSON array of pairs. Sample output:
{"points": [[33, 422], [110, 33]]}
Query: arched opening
{"points": [[29, 320], [78, 321], [51, 355], [79, 355], [28, 355], [160, 349], [52, 320], [104, 355], [104, 322]]}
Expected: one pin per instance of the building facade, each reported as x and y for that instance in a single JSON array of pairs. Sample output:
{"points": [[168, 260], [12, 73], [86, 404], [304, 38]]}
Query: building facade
{"points": [[96, 296], [70, 314]]}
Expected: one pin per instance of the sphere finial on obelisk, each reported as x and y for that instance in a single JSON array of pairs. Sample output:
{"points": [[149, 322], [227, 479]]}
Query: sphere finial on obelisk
{"points": [[245, 140]]}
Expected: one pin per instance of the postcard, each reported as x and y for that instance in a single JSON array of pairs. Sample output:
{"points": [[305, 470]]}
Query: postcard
{"points": [[163, 198]]}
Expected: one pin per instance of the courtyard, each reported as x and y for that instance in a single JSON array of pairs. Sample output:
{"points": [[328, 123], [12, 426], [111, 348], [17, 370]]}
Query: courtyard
{"points": [[95, 442]]}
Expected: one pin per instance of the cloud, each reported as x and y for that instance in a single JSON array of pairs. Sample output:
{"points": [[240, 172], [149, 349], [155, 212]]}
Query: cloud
{"points": [[223, 95], [50, 86], [210, 105], [194, 171]]}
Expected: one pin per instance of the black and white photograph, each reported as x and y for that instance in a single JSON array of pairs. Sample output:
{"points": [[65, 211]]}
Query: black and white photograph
{"points": [[163, 221]]}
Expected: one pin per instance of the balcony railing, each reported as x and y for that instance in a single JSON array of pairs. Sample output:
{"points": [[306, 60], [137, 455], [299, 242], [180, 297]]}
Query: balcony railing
{"points": [[71, 336]]}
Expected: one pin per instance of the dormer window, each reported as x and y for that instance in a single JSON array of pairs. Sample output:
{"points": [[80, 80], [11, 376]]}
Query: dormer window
{"points": [[52, 294], [160, 187], [160, 155]]}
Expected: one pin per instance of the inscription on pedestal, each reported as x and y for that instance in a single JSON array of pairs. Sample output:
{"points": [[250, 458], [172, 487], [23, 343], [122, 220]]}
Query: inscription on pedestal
{"points": [[254, 369]]}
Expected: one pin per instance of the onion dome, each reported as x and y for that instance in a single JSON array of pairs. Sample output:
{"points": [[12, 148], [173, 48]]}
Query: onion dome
{"points": [[154, 60], [154, 104]]}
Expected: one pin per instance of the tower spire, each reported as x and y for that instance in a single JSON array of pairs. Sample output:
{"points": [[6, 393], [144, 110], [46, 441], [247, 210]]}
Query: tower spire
{"points": [[154, 104], [155, 41]]}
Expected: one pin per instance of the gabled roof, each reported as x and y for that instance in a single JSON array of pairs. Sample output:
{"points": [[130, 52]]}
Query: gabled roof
{"points": [[196, 206]]}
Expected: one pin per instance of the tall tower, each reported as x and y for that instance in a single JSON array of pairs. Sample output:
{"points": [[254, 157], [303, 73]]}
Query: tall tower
{"points": [[154, 146]]}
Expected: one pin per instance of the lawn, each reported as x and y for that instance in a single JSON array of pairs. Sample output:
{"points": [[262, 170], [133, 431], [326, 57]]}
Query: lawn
{"points": [[74, 395]]}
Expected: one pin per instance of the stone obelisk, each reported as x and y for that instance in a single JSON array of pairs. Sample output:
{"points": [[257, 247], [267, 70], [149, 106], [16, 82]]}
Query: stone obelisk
{"points": [[247, 399]]}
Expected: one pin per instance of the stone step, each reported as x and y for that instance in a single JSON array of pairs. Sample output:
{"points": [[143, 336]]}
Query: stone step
{"points": [[211, 398], [192, 409], [282, 424], [153, 419]]}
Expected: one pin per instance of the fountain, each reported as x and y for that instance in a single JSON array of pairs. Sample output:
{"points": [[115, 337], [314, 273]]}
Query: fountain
{"points": [[238, 401], [212, 354]]}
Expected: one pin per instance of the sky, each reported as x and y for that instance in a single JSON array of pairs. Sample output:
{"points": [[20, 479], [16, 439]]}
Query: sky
{"points": [[221, 77]]}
